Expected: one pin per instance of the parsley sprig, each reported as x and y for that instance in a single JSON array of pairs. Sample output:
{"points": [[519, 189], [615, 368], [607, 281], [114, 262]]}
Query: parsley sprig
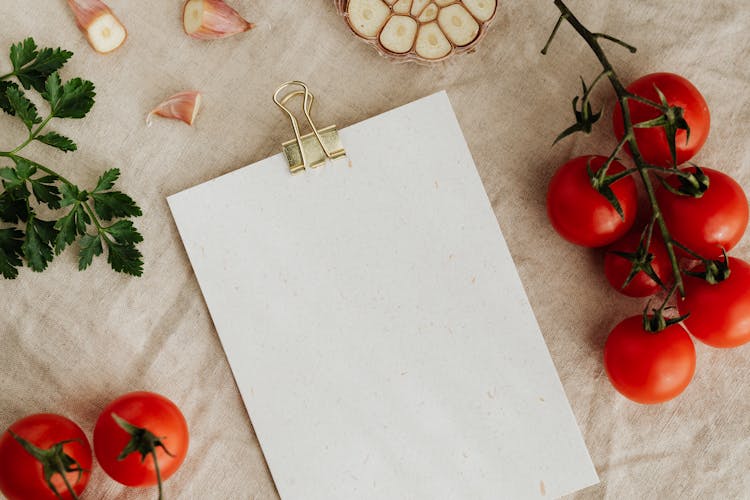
{"points": [[97, 218]]}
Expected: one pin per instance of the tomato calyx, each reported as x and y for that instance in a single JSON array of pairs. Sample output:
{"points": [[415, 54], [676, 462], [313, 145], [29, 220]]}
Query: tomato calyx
{"points": [[714, 271], [641, 259], [584, 115], [144, 442], [602, 182], [671, 120], [54, 460], [693, 184], [656, 321]]}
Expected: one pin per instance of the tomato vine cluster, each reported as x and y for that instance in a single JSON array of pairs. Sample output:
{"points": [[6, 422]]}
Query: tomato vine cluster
{"points": [[694, 215], [140, 439]]}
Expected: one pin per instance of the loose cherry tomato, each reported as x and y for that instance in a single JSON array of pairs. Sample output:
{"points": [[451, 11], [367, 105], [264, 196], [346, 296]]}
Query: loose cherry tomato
{"points": [[720, 313], [647, 367], [22, 474], [705, 225], [153, 429], [652, 142], [617, 268], [582, 215]]}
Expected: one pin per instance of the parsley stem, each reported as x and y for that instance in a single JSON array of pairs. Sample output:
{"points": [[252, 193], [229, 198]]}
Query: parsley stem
{"points": [[32, 135], [13, 156], [8, 75]]}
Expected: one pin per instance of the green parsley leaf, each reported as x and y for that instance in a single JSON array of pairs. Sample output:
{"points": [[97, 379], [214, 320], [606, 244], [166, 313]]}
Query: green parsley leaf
{"points": [[125, 258], [32, 67], [22, 53], [4, 101], [12, 179], [36, 247], [46, 192], [70, 226], [71, 195], [13, 205], [24, 108], [24, 168], [11, 240], [57, 141], [114, 204], [107, 180], [73, 100], [90, 246], [123, 231]]}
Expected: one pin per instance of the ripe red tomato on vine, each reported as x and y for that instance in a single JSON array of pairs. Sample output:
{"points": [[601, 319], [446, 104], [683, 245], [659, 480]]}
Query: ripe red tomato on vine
{"points": [[707, 224], [583, 215], [141, 439], [720, 312], [652, 142], [44, 445], [649, 367]]}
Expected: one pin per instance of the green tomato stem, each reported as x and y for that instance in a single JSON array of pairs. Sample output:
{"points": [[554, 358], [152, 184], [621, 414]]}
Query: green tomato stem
{"points": [[622, 97]]}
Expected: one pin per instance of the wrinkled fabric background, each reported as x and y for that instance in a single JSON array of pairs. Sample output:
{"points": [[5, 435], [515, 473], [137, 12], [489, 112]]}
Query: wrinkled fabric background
{"points": [[71, 341]]}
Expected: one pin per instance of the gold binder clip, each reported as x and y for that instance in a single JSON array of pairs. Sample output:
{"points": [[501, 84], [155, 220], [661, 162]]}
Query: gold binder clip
{"points": [[310, 150]]}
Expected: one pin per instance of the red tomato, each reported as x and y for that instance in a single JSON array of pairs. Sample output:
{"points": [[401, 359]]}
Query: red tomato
{"points": [[647, 367], [582, 215], [720, 313], [22, 475], [706, 224], [652, 142], [157, 415], [617, 268]]}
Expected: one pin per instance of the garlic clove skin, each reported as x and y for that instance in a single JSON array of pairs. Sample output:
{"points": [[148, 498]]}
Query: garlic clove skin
{"points": [[212, 19], [103, 30], [182, 106]]}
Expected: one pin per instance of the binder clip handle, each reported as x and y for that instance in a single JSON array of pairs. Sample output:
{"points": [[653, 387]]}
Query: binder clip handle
{"points": [[313, 149]]}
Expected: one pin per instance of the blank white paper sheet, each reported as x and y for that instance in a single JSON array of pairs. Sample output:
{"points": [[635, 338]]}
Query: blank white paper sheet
{"points": [[376, 325]]}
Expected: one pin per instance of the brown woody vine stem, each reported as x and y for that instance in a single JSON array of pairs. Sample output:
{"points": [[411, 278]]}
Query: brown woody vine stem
{"points": [[592, 39]]}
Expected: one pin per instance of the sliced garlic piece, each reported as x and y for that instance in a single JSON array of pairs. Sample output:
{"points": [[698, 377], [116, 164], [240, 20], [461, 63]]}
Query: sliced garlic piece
{"points": [[402, 7], [390, 2], [366, 17], [443, 3], [429, 13], [102, 28], [418, 6], [398, 34], [481, 9], [458, 25], [431, 42]]}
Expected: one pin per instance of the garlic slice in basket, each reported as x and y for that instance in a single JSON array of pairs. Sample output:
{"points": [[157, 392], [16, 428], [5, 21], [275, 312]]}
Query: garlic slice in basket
{"points": [[367, 17], [398, 34], [419, 30], [458, 25]]}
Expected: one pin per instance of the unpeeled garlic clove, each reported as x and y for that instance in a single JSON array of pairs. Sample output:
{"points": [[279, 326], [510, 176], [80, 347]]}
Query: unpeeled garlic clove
{"points": [[211, 19], [181, 106], [103, 30]]}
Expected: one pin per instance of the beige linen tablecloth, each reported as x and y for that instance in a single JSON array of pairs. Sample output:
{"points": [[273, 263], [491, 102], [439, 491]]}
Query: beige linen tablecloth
{"points": [[71, 341]]}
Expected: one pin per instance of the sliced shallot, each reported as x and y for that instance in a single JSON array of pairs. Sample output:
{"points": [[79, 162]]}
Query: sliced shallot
{"points": [[102, 28], [211, 19], [181, 106]]}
